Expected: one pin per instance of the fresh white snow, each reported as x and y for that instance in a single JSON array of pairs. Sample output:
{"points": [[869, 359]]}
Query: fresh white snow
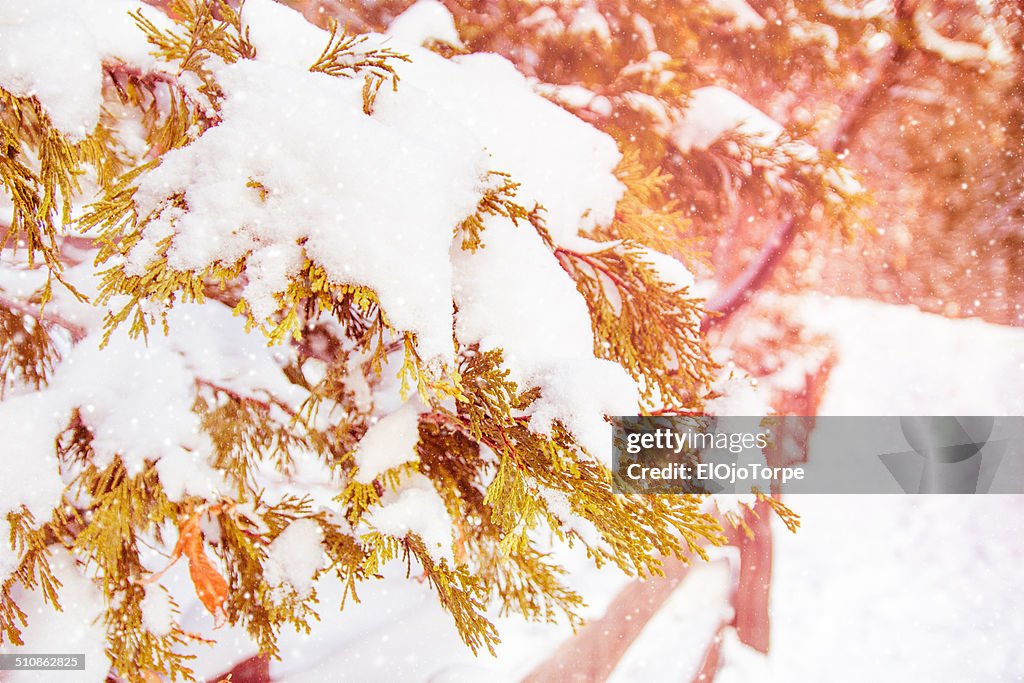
{"points": [[712, 111], [415, 507], [54, 50], [295, 556], [389, 442]]}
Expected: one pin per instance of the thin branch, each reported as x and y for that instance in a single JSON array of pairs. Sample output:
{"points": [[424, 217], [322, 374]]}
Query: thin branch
{"points": [[77, 332], [727, 301], [74, 249], [267, 403]]}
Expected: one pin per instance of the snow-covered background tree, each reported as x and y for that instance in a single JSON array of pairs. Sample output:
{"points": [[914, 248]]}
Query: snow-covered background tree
{"points": [[301, 301]]}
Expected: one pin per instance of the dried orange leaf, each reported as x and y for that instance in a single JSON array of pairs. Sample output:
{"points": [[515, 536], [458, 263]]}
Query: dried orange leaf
{"points": [[210, 586]]}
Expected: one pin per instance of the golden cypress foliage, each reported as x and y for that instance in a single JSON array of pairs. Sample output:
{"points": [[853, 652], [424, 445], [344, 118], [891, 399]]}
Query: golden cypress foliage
{"points": [[495, 476]]}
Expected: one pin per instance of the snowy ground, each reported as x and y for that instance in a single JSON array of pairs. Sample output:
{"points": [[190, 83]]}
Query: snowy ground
{"points": [[898, 588], [905, 588], [896, 360]]}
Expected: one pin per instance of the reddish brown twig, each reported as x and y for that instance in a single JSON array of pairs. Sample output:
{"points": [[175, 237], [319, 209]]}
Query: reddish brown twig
{"points": [[77, 332]]}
